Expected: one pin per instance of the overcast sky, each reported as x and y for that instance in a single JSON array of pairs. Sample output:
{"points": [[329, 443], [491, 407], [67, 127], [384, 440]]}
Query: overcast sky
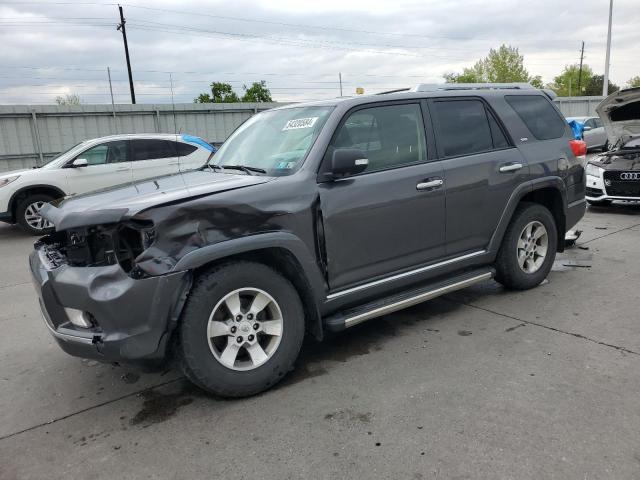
{"points": [[298, 47]]}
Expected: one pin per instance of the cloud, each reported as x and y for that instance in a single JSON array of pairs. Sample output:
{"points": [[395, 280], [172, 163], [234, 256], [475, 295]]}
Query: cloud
{"points": [[297, 47]]}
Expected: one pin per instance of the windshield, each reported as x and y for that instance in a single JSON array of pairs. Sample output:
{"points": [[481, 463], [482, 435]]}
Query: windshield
{"points": [[633, 143], [276, 141]]}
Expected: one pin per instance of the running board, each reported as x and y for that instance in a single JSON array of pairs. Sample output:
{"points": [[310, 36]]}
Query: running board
{"points": [[393, 303]]}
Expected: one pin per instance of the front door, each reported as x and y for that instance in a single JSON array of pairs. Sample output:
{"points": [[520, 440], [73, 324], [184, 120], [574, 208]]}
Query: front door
{"points": [[107, 165], [391, 216]]}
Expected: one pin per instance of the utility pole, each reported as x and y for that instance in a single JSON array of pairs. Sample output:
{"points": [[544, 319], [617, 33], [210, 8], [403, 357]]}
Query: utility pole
{"points": [[113, 105], [126, 52], [605, 83], [580, 71], [340, 79]]}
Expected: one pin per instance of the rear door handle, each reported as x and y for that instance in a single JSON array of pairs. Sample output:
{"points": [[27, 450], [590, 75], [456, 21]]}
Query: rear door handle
{"points": [[122, 169], [430, 184], [512, 167]]}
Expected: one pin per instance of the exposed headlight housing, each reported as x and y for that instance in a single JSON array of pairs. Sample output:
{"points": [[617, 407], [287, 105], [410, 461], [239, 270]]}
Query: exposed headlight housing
{"points": [[593, 170], [7, 180]]}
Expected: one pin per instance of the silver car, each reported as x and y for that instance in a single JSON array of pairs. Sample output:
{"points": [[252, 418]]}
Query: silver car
{"points": [[594, 133]]}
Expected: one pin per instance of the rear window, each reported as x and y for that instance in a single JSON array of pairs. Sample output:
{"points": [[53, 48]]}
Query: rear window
{"points": [[184, 149], [152, 149], [463, 127], [538, 114]]}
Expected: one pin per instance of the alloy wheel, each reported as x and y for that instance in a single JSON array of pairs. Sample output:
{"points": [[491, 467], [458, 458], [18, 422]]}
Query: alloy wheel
{"points": [[34, 219], [245, 329], [532, 247]]}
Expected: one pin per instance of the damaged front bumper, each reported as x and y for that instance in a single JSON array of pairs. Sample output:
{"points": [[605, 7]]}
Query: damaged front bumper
{"points": [[128, 320]]}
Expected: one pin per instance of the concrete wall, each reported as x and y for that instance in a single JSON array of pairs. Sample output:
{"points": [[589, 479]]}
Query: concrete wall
{"points": [[29, 135]]}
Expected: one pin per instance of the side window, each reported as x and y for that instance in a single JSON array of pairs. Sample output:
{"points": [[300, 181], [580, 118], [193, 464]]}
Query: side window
{"points": [[110, 152], [499, 140], [538, 114], [96, 155], [597, 123], [589, 123], [463, 127], [152, 149], [390, 136], [183, 149]]}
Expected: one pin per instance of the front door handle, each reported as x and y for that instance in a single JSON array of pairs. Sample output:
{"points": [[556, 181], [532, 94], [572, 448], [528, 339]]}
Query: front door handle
{"points": [[122, 169], [512, 167], [430, 184]]}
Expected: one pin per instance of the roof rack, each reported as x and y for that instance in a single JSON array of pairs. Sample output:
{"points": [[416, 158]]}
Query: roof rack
{"points": [[434, 87], [397, 90]]}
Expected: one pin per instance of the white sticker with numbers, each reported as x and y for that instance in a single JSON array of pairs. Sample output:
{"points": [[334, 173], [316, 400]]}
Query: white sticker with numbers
{"points": [[300, 123]]}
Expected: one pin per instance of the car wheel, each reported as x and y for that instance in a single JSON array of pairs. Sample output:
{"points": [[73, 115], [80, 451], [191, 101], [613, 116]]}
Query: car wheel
{"points": [[599, 203], [241, 329], [528, 248], [28, 214]]}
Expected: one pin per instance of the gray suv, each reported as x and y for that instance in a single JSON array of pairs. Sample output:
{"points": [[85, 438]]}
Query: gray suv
{"points": [[311, 218]]}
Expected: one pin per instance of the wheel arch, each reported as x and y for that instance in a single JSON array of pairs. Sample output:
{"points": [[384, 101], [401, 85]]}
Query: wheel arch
{"points": [[27, 190], [549, 192], [282, 251]]}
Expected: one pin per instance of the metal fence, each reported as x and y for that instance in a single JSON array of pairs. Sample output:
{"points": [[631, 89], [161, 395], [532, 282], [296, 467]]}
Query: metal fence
{"points": [[29, 135]]}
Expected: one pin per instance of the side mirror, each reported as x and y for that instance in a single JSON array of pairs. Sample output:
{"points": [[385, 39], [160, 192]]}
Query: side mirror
{"points": [[586, 129], [80, 162], [348, 161]]}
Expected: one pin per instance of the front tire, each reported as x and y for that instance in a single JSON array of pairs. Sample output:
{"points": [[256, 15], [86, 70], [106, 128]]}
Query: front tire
{"points": [[241, 330], [528, 248], [28, 214]]}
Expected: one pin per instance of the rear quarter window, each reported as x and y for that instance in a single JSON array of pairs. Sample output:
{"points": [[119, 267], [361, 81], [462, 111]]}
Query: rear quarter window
{"points": [[538, 114], [184, 149]]}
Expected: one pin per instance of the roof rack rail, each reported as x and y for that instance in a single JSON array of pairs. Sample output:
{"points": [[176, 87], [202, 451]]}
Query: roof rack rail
{"points": [[434, 87], [397, 90]]}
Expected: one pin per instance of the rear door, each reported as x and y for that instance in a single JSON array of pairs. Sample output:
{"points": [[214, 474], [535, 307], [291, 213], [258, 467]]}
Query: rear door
{"points": [[481, 170], [153, 158], [387, 218], [108, 165]]}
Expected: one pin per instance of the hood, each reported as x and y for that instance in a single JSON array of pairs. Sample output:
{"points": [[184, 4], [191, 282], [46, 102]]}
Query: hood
{"points": [[620, 114], [21, 172], [114, 204]]}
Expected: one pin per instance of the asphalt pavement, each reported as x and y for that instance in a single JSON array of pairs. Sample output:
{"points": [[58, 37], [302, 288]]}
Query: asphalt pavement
{"points": [[480, 384]]}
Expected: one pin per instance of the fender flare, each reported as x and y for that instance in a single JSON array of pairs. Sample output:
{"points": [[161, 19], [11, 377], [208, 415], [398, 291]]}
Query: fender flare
{"points": [[14, 196], [516, 196], [253, 243]]}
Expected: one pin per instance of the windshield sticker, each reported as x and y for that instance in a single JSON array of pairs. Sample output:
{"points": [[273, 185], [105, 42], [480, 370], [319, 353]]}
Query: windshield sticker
{"points": [[286, 165], [300, 123]]}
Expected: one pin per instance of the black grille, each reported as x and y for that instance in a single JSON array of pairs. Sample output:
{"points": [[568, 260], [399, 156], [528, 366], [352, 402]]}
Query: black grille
{"points": [[616, 187], [594, 192]]}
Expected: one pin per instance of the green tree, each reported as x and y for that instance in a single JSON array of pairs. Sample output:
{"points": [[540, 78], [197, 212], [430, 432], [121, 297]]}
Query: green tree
{"points": [[503, 65], [594, 86], [257, 93], [634, 81], [69, 99], [220, 93], [566, 84]]}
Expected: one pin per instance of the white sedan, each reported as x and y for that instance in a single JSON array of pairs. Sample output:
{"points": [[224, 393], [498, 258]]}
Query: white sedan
{"points": [[92, 165]]}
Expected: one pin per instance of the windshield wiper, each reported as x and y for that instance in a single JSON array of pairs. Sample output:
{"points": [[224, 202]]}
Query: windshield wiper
{"points": [[244, 168]]}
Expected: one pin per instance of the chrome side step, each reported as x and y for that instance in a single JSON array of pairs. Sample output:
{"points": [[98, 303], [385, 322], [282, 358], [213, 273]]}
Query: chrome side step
{"points": [[352, 317]]}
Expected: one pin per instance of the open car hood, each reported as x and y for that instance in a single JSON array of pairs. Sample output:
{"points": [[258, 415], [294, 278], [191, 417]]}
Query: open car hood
{"points": [[114, 204], [620, 114]]}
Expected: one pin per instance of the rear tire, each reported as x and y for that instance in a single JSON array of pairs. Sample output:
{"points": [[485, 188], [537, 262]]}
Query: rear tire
{"points": [[528, 248], [241, 330], [28, 216]]}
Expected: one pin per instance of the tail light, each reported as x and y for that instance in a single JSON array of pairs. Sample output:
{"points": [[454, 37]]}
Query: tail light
{"points": [[578, 147]]}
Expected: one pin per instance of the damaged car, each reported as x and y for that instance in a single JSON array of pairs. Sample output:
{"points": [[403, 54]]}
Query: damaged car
{"points": [[312, 218], [615, 174]]}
